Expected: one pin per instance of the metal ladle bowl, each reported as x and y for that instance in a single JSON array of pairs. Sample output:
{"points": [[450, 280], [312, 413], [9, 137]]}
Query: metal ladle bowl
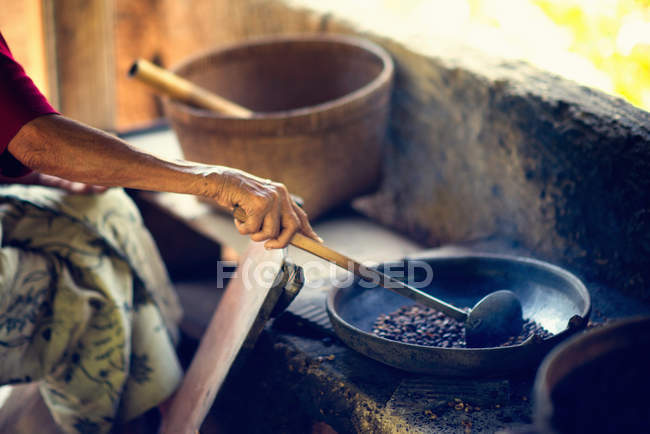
{"points": [[495, 318], [550, 295]]}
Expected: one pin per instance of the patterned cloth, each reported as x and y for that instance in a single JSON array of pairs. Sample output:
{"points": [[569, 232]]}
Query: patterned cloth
{"points": [[86, 306]]}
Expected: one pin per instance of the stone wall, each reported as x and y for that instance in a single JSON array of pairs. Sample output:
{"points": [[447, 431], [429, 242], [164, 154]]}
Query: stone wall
{"points": [[480, 148], [508, 151]]}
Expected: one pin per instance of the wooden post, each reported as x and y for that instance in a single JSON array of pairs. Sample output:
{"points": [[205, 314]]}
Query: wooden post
{"points": [[83, 32]]}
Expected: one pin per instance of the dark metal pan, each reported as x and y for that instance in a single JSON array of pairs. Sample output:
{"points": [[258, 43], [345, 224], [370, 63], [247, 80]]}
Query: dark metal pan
{"points": [[549, 294]]}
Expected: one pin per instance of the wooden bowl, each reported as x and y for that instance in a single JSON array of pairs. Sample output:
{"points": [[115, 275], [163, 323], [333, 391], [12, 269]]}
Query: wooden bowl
{"points": [[321, 104]]}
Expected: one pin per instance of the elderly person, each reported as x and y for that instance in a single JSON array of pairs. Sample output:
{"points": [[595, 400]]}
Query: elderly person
{"points": [[86, 307]]}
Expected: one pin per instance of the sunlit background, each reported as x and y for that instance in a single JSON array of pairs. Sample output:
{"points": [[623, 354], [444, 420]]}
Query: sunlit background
{"points": [[604, 44], [600, 43]]}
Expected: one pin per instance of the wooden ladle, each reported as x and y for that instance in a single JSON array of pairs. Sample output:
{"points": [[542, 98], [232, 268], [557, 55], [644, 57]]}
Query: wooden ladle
{"points": [[491, 321]]}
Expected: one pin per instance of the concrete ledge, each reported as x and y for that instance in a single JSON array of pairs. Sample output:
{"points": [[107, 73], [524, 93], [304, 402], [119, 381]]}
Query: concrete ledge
{"points": [[481, 148]]}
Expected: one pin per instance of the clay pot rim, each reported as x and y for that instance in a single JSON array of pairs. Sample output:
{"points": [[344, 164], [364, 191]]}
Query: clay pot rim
{"points": [[590, 345], [352, 98]]}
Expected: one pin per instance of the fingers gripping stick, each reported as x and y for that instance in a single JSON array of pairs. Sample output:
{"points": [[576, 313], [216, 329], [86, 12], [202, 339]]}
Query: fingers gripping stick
{"points": [[324, 252]]}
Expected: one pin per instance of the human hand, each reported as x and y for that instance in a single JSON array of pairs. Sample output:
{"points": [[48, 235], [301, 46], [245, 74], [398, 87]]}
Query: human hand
{"points": [[272, 215]]}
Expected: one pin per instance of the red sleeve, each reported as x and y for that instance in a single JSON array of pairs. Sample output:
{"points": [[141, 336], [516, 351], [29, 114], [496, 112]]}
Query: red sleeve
{"points": [[20, 102]]}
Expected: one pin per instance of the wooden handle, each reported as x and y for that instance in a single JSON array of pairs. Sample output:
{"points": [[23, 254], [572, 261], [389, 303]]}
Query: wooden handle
{"points": [[237, 321], [322, 251], [170, 84]]}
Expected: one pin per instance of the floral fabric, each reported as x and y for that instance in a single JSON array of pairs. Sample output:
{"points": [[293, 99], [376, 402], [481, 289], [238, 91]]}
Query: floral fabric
{"points": [[86, 307]]}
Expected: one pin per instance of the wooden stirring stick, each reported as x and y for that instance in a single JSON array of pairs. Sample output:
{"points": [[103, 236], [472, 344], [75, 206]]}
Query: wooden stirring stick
{"points": [[170, 84], [322, 251]]}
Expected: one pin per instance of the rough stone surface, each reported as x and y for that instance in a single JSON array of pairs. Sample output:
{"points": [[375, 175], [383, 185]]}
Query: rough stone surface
{"points": [[480, 148], [508, 151], [292, 380]]}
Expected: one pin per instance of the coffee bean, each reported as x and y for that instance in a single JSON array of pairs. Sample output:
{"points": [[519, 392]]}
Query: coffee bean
{"points": [[422, 325]]}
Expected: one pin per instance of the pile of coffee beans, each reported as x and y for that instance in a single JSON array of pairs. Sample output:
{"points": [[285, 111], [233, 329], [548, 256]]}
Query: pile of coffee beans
{"points": [[416, 324]]}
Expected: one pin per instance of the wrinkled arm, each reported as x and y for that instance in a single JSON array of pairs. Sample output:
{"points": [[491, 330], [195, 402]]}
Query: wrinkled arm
{"points": [[61, 147]]}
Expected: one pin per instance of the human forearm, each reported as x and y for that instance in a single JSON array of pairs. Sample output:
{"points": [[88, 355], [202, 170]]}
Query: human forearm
{"points": [[65, 148], [70, 150]]}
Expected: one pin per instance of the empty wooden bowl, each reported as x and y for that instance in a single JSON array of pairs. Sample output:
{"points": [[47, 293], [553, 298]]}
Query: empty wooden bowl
{"points": [[321, 104]]}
